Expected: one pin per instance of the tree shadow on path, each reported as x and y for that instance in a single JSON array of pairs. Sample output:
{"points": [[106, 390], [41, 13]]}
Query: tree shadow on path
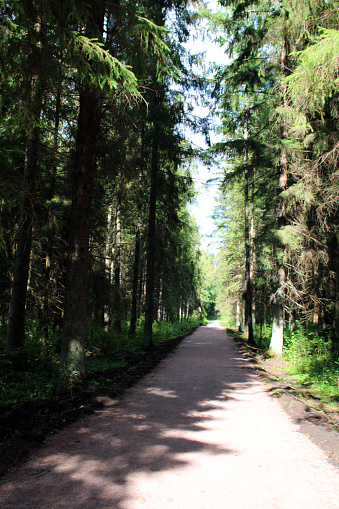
{"points": [[159, 425]]}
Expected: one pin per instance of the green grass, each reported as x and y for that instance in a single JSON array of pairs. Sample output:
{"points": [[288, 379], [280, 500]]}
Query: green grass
{"points": [[103, 351], [310, 358], [313, 361]]}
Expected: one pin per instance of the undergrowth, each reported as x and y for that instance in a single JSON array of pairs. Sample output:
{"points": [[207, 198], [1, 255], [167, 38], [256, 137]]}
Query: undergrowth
{"points": [[103, 351], [313, 361], [310, 358]]}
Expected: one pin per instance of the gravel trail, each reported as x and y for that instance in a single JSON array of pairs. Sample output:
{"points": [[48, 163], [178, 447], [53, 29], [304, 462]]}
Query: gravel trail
{"points": [[199, 432]]}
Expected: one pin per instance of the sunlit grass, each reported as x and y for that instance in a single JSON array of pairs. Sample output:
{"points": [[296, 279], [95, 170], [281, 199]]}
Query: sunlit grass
{"points": [[310, 358]]}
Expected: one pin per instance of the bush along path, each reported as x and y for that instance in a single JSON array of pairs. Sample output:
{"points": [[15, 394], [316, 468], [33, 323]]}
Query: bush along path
{"points": [[200, 430], [23, 427]]}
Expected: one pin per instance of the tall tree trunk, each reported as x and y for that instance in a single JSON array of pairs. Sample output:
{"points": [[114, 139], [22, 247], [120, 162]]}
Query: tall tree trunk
{"points": [[136, 265], [248, 328], [141, 287], [106, 310], [277, 338], [117, 268], [137, 244], [253, 252], [17, 308], [238, 315], [72, 366], [248, 287], [72, 361], [159, 314], [148, 342], [50, 229]]}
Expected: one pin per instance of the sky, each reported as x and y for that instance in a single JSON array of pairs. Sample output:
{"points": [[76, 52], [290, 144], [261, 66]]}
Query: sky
{"points": [[205, 202]]}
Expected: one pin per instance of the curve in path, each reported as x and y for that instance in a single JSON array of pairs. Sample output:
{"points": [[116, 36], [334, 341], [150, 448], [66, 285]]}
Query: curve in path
{"points": [[200, 431]]}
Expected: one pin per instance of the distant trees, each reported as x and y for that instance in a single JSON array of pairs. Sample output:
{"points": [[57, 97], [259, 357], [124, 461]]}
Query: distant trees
{"points": [[209, 290]]}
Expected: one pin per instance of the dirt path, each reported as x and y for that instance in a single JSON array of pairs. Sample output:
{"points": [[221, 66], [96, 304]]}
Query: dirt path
{"points": [[200, 431]]}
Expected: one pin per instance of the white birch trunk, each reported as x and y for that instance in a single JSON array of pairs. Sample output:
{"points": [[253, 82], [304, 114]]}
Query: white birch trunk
{"points": [[108, 263]]}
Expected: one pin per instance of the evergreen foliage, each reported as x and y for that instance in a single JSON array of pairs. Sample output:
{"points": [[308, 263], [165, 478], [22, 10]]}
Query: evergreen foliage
{"points": [[95, 234], [282, 80], [83, 84]]}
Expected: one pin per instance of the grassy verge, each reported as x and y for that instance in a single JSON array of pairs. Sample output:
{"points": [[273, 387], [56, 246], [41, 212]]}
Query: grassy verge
{"points": [[313, 361], [310, 359]]}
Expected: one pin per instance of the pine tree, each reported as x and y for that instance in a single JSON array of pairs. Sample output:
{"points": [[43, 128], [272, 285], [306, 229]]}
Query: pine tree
{"points": [[16, 319], [242, 89]]}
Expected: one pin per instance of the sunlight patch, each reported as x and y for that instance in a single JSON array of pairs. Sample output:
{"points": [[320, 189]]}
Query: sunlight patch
{"points": [[161, 392]]}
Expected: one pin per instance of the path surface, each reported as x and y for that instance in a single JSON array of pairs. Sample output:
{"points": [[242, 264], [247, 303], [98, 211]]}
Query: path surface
{"points": [[199, 432]]}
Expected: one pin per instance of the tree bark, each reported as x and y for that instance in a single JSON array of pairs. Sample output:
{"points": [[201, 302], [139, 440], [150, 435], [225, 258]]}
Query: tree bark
{"points": [[277, 338], [72, 367], [136, 264], [248, 287], [276, 343], [72, 361], [106, 310], [17, 308], [47, 293], [117, 268], [238, 315], [159, 313], [248, 328], [253, 253], [148, 342]]}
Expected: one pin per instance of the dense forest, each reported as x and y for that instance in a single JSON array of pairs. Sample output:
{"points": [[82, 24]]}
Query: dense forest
{"points": [[99, 250], [95, 182], [277, 213]]}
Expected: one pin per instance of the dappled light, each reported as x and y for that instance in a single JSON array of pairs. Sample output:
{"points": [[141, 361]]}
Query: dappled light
{"points": [[157, 427], [191, 418]]}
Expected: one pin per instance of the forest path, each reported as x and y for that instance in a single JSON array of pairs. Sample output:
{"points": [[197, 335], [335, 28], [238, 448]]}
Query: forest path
{"points": [[199, 432]]}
